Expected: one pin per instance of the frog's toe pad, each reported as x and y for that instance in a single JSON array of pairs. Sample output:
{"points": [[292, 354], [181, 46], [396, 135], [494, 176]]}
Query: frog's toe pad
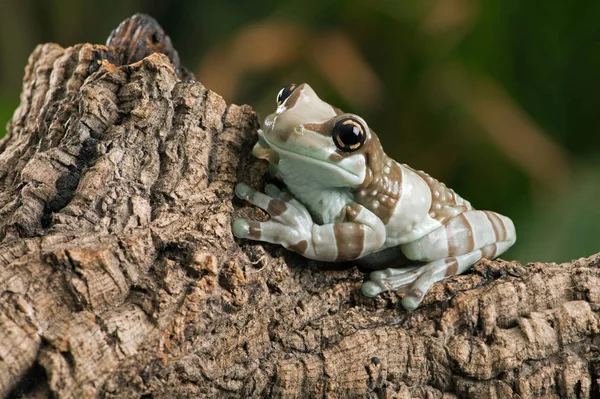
{"points": [[371, 289], [399, 280], [272, 190], [243, 191], [413, 298], [243, 228], [240, 228]]}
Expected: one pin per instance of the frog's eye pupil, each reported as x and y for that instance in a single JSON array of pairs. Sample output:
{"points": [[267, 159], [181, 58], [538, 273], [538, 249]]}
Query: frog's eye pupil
{"points": [[285, 93], [349, 134]]}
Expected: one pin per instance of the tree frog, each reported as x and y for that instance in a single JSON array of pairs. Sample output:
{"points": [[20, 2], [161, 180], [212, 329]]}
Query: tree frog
{"points": [[347, 200]]}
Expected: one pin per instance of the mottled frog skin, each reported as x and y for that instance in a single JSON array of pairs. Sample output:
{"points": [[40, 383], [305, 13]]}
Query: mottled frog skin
{"points": [[347, 200]]}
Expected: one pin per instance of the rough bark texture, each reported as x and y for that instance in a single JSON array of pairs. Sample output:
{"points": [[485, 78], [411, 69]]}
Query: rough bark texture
{"points": [[119, 275]]}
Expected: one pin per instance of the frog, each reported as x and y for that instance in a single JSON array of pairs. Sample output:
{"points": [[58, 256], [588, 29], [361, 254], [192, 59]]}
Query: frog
{"points": [[345, 200]]}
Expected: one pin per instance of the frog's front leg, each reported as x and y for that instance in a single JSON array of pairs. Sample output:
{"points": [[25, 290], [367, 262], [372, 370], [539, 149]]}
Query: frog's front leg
{"points": [[449, 250], [291, 226]]}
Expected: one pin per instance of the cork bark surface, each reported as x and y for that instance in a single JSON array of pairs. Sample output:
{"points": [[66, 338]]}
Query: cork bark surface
{"points": [[120, 277]]}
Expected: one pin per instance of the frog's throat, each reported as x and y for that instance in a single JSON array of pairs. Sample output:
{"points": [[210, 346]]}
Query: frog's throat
{"points": [[355, 178]]}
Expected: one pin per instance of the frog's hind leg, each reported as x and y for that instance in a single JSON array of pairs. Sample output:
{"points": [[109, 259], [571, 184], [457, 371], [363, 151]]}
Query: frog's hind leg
{"points": [[449, 250], [435, 271]]}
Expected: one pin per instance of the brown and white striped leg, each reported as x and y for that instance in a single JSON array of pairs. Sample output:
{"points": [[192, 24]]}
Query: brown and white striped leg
{"points": [[451, 249], [291, 226]]}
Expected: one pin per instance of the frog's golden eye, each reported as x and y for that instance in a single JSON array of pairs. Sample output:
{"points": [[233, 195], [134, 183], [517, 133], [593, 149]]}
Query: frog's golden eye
{"points": [[349, 134], [285, 93]]}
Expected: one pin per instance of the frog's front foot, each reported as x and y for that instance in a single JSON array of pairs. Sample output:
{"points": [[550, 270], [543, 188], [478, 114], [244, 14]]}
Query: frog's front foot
{"points": [[290, 224]]}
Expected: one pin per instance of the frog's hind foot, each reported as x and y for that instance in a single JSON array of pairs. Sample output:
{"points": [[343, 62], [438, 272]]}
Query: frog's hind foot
{"points": [[449, 250], [389, 279], [416, 281]]}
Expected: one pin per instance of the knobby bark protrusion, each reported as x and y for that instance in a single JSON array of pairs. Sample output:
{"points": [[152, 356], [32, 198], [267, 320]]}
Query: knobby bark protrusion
{"points": [[119, 275]]}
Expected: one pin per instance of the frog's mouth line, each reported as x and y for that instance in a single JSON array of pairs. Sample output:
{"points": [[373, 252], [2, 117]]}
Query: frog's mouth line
{"points": [[328, 165]]}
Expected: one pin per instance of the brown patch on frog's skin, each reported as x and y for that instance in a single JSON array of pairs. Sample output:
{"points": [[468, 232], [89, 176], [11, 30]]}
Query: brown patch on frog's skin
{"points": [[299, 247], [493, 222], [455, 242], [276, 207], [489, 251], [444, 201], [324, 129], [349, 240], [254, 231], [336, 157], [382, 187], [451, 266], [497, 224], [470, 238], [266, 153]]}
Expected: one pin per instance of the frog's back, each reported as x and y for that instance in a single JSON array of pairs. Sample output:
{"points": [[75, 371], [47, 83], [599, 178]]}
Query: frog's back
{"points": [[422, 205], [445, 203]]}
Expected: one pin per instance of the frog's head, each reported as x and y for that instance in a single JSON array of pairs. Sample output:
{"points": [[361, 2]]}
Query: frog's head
{"points": [[335, 147]]}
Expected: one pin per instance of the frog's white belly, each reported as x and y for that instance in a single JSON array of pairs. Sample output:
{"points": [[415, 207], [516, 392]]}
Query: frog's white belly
{"points": [[410, 220], [310, 185]]}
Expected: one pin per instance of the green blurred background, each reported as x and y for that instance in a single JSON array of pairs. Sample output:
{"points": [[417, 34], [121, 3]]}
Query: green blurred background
{"points": [[498, 99]]}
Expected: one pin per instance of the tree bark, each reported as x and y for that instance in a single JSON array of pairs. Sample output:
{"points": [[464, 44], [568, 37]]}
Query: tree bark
{"points": [[119, 275]]}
